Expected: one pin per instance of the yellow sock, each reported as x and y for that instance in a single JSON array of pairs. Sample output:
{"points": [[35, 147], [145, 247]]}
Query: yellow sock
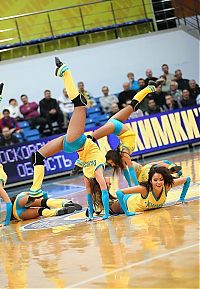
{"points": [[55, 203], [49, 213], [142, 93], [71, 88], [38, 177]]}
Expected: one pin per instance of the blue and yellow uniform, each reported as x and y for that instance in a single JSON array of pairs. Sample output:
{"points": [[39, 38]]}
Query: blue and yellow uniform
{"points": [[3, 176], [17, 209], [137, 203], [127, 138], [91, 158]]}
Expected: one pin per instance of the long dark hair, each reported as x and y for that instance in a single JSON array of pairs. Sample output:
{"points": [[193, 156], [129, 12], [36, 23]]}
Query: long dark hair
{"points": [[95, 188], [115, 156], [168, 179]]}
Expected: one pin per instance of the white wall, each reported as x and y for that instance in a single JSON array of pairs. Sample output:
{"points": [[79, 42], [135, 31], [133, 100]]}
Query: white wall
{"points": [[102, 64]]}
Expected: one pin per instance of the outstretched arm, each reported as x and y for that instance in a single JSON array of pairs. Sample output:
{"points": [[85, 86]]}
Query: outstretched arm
{"points": [[186, 183], [179, 182], [135, 190], [120, 195]]}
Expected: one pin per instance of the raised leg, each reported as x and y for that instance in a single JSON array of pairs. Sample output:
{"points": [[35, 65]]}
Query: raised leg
{"points": [[76, 125], [123, 114]]}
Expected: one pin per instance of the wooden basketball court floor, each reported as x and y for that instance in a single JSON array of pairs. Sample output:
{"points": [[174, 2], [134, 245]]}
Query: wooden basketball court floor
{"points": [[156, 249]]}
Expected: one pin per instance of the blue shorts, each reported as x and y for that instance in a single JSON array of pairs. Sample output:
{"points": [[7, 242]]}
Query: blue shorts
{"points": [[117, 124], [70, 147]]}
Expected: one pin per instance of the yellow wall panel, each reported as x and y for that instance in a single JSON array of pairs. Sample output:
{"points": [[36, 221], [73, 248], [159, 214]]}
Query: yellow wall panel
{"points": [[68, 20], [14, 7]]}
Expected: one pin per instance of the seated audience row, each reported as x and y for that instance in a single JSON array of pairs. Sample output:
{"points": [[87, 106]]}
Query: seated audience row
{"points": [[175, 92]]}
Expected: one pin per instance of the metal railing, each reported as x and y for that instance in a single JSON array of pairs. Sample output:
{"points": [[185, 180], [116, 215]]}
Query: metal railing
{"points": [[178, 13], [53, 22], [192, 22]]}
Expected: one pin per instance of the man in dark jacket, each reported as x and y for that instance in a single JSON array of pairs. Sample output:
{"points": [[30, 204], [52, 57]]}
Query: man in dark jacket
{"points": [[187, 100], [7, 138], [125, 95], [50, 110], [194, 89], [183, 83]]}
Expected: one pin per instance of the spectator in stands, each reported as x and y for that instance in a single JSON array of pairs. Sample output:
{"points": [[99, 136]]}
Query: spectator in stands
{"points": [[183, 83], [170, 103], [133, 84], [165, 84], [9, 122], [149, 75], [175, 92], [125, 95], [107, 100], [141, 84], [194, 89], [90, 99], [31, 114], [158, 96], [14, 109], [7, 138], [50, 110], [66, 106], [187, 100], [114, 109], [169, 76], [152, 107]]}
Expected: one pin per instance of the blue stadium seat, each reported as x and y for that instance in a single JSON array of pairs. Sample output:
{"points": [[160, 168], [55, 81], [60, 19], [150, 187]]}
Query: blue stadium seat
{"points": [[95, 116], [33, 137], [90, 125], [31, 134], [70, 114], [97, 101], [102, 119], [89, 120], [94, 109], [23, 124]]}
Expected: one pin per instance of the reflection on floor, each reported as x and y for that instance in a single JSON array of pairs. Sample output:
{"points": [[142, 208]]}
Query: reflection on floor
{"points": [[156, 249]]}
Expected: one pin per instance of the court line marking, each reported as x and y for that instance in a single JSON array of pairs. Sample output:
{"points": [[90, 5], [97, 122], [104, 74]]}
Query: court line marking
{"points": [[131, 265]]}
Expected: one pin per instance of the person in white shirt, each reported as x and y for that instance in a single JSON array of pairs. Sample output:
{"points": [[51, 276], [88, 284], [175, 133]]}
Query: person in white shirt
{"points": [[169, 76], [107, 100], [65, 105], [175, 92], [14, 109]]}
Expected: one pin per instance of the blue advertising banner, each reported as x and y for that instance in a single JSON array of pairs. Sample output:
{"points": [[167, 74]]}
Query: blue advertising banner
{"points": [[16, 160], [153, 133]]}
